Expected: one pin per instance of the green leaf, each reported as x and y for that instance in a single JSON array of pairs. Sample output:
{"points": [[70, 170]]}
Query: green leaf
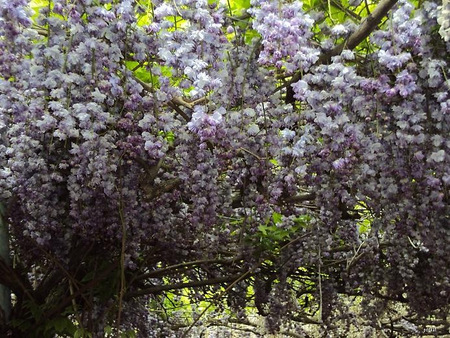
{"points": [[82, 333], [238, 6], [78, 334], [364, 226], [107, 330], [276, 217], [170, 137], [263, 229], [128, 334], [303, 220], [36, 6], [62, 325], [143, 75], [88, 277]]}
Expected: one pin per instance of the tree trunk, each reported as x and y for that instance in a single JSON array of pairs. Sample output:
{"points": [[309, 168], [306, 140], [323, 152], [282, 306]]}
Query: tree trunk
{"points": [[5, 293]]}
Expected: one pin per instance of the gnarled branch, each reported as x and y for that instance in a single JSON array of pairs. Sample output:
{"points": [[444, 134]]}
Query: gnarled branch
{"points": [[364, 30]]}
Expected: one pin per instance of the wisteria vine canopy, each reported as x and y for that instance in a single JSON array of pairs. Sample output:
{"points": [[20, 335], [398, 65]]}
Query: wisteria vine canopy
{"points": [[167, 165]]}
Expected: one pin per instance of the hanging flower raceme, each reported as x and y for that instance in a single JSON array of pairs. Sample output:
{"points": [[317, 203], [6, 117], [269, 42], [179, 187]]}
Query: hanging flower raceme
{"points": [[286, 31]]}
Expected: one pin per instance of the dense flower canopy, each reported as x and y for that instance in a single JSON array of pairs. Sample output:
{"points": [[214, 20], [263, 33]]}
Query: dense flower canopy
{"points": [[260, 157]]}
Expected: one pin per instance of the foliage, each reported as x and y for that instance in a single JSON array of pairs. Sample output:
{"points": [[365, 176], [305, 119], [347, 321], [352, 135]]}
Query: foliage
{"points": [[275, 155]]}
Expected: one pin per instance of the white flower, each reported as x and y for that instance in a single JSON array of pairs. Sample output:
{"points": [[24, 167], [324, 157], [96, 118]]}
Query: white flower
{"points": [[5, 172], [437, 156], [339, 30], [164, 10], [202, 80], [288, 134], [253, 129], [250, 112]]}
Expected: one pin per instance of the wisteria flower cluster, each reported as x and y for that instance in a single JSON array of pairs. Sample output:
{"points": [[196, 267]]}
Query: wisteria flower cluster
{"points": [[149, 154], [377, 141], [286, 35]]}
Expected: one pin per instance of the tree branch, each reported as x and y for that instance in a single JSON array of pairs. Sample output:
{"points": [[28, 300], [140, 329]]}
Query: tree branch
{"points": [[194, 284], [305, 197], [176, 102], [14, 281], [164, 271], [5, 292], [58, 308], [364, 30], [367, 27]]}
